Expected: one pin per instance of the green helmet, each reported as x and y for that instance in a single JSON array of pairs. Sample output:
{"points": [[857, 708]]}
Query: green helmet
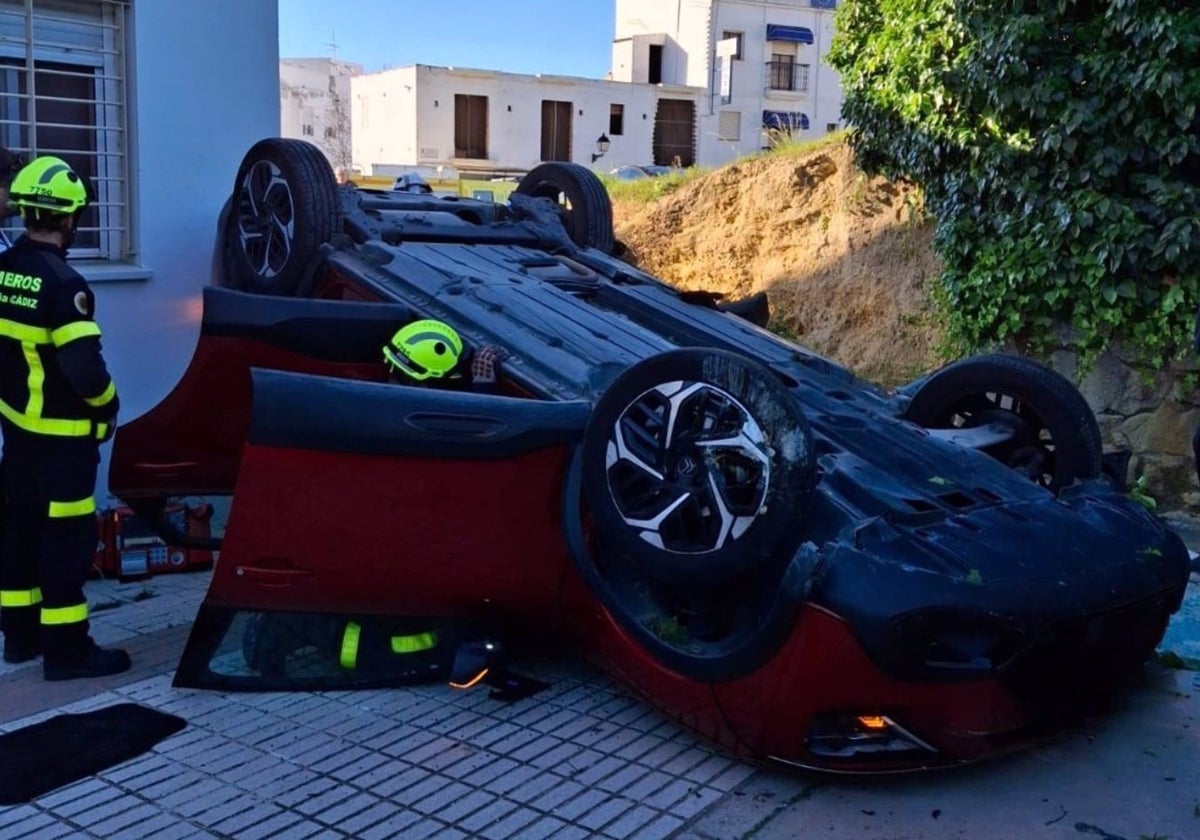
{"points": [[425, 349], [49, 183]]}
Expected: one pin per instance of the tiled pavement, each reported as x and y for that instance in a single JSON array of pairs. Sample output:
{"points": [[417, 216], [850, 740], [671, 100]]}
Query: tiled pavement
{"points": [[583, 760]]}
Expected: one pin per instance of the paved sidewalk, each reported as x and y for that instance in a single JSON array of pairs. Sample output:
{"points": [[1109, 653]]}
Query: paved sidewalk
{"points": [[584, 760]]}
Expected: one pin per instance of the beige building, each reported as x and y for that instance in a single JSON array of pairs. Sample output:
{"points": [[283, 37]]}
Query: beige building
{"points": [[314, 104]]}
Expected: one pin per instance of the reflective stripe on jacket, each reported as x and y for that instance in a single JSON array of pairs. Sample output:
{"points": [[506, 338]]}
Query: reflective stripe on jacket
{"points": [[53, 379]]}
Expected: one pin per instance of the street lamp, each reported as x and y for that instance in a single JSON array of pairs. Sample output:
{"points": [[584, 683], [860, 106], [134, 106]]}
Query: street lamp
{"points": [[602, 145]]}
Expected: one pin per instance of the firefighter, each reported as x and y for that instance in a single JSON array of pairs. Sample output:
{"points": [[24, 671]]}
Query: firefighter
{"points": [[57, 405], [424, 352], [429, 352]]}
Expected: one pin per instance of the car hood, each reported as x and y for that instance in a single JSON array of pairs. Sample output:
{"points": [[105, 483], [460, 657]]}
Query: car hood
{"points": [[1087, 551]]}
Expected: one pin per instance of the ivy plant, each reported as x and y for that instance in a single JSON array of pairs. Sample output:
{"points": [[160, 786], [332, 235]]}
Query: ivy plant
{"points": [[1058, 146]]}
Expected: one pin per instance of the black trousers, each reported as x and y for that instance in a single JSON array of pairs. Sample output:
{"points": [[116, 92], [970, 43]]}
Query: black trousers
{"points": [[49, 539]]}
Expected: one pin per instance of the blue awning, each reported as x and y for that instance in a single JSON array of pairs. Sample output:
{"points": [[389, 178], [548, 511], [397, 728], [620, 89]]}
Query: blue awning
{"points": [[796, 34], [787, 120]]}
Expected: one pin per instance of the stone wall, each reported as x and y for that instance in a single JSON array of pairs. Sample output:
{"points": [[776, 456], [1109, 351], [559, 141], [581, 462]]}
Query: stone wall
{"points": [[1152, 413]]}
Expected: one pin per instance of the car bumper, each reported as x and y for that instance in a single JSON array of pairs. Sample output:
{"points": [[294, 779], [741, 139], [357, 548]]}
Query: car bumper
{"points": [[786, 711]]}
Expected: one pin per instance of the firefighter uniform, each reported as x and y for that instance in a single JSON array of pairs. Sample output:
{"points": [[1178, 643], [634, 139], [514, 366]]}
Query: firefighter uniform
{"points": [[57, 404]]}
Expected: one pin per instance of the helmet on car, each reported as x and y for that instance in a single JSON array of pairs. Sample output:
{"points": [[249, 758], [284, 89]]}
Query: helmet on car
{"points": [[424, 349], [49, 183]]}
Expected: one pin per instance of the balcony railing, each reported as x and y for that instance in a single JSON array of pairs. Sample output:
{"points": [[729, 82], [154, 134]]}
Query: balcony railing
{"points": [[787, 76]]}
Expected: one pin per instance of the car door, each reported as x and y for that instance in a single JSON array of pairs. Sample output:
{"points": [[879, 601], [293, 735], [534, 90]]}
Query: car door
{"points": [[190, 444], [374, 527]]}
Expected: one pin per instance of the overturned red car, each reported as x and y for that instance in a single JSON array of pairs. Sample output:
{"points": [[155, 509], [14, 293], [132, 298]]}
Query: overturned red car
{"points": [[797, 564]]}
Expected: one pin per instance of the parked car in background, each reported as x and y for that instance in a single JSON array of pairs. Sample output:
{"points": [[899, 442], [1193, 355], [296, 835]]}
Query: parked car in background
{"points": [[633, 172]]}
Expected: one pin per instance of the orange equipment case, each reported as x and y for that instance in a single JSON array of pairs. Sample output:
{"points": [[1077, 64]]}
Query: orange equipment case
{"points": [[128, 550]]}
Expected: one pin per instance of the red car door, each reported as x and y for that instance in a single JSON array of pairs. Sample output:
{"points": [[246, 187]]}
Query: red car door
{"points": [[191, 443]]}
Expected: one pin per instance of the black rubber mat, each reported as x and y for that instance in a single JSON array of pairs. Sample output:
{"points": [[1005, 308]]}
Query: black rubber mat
{"points": [[66, 748]]}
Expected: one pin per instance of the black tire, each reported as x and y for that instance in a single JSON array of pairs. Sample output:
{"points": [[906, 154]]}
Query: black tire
{"points": [[638, 467], [284, 207], [1057, 440], [588, 212]]}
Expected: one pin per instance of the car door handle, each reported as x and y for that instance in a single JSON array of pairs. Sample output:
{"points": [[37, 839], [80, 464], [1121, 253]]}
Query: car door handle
{"points": [[271, 577]]}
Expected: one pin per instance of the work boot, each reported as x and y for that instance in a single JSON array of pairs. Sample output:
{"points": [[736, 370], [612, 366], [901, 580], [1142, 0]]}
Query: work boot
{"points": [[90, 661], [17, 651], [21, 640]]}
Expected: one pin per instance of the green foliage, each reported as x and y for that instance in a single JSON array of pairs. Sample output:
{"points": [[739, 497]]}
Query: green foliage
{"points": [[1186, 385], [650, 189], [1140, 494], [1173, 660], [668, 629], [1058, 145]]}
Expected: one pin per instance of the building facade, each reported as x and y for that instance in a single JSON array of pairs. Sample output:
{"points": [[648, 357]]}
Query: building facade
{"points": [[112, 86], [314, 104], [761, 63], [483, 121]]}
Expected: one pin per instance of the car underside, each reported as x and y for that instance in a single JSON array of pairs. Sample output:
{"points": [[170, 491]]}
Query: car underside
{"points": [[796, 563]]}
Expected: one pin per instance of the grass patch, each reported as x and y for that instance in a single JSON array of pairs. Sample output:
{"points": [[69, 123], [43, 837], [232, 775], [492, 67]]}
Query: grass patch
{"points": [[1170, 659], [668, 629], [646, 190], [783, 329], [792, 146]]}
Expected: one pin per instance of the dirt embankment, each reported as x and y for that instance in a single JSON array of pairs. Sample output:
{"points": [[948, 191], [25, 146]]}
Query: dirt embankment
{"points": [[844, 258]]}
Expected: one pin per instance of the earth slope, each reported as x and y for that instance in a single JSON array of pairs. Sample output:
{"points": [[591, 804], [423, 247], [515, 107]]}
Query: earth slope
{"points": [[845, 258]]}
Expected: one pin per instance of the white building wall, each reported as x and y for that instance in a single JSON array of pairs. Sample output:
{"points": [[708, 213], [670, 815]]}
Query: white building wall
{"points": [[315, 104], [694, 38], [697, 25], [385, 135], [683, 29], [383, 118], [184, 160]]}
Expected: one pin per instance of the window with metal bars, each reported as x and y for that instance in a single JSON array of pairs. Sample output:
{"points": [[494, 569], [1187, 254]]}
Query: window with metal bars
{"points": [[783, 73], [63, 92]]}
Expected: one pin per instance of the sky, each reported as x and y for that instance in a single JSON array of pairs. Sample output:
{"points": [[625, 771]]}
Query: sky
{"points": [[560, 37]]}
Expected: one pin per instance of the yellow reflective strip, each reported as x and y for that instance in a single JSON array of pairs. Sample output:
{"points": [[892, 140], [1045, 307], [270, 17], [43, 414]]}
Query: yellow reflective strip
{"points": [[24, 333], [45, 425], [20, 597], [63, 510], [74, 330], [101, 430], [413, 644], [349, 657], [105, 398], [65, 615], [37, 377]]}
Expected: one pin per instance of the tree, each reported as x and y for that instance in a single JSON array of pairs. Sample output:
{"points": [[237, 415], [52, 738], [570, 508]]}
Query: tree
{"points": [[337, 140], [1058, 145]]}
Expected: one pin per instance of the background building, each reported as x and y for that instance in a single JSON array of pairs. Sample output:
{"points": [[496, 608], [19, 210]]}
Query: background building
{"points": [[314, 104], [113, 87], [761, 64], [483, 121]]}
